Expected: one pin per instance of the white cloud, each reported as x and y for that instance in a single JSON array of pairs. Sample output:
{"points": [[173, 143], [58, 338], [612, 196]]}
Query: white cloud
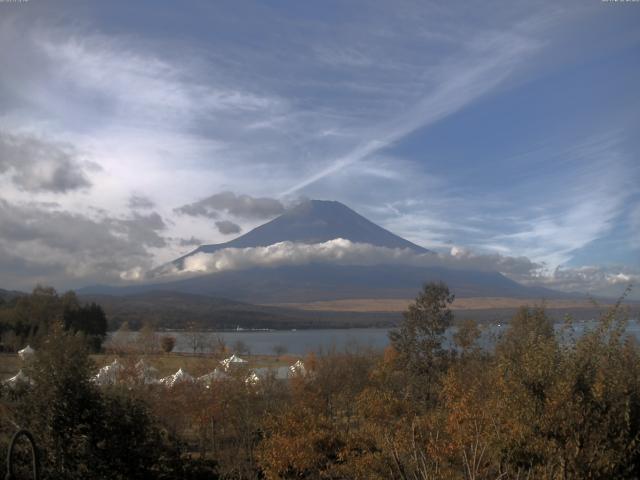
{"points": [[340, 251], [139, 83], [596, 280], [133, 274]]}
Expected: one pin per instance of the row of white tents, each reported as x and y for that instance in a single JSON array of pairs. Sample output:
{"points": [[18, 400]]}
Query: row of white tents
{"points": [[112, 373]]}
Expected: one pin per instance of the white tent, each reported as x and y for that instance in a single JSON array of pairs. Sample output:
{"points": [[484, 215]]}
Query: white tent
{"points": [[179, 377], [26, 352], [108, 375], [232, 360], [19, 378], [298, 368]]}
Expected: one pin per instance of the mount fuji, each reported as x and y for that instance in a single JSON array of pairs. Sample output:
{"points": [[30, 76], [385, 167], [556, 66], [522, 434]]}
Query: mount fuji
{"points": [[311, 223]]}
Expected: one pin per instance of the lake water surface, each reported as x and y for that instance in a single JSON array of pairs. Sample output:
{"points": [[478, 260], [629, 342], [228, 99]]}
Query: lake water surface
{"points": [[299, 342]]}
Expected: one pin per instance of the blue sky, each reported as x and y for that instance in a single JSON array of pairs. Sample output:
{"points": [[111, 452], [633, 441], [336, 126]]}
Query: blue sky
{"points": [[504, 128]]}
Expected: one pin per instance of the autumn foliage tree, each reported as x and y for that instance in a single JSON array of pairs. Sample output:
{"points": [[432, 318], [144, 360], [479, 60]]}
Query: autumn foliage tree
{"points": [[418, 340], [167, 343]]}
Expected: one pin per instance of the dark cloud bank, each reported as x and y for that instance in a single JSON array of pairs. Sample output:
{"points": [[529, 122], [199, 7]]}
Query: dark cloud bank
{"points": [[227, 227], [37, 165], [62, 248]]}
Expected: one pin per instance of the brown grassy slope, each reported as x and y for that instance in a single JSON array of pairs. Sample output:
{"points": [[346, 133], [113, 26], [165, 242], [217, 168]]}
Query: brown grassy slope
{"points": [[399, 305]]}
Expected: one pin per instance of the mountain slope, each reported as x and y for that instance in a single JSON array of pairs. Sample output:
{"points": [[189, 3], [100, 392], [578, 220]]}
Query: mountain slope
{"points": [[313, 221], [317, 282]]}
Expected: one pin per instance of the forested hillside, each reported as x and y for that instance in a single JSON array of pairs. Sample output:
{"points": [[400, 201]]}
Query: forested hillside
{"points": [[29, 318]]}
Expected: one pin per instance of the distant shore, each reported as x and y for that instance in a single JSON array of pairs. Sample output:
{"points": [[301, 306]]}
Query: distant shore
{"points": [[388, 305]]}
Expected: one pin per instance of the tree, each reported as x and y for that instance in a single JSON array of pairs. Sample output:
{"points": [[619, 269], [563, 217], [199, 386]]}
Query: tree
{"points": [[121, 340], [241, 348], [279, 350], [218, 346], [167, 343], [87, 319], [467, 399], [29, 317], [196, 338], [130, 443], [147, 339], [315, 435], [466, 336], [418, 341], [63, 405], [528, 326], [82, 432], [567, 410]]}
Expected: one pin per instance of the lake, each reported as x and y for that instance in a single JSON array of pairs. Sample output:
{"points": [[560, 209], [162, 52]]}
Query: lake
{"points": [[300, 342]]}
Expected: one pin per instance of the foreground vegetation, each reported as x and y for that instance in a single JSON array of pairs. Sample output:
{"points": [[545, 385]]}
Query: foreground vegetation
{"points": [[541, 405]]}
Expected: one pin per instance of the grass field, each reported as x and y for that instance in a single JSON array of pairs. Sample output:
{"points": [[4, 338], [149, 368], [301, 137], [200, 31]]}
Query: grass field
{"points": [[399, 305]]}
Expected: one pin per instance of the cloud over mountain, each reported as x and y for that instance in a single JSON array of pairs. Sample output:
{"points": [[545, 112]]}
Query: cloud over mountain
{"points": [[241, 206], [190, 242], [341, 251], [227, 227]]}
